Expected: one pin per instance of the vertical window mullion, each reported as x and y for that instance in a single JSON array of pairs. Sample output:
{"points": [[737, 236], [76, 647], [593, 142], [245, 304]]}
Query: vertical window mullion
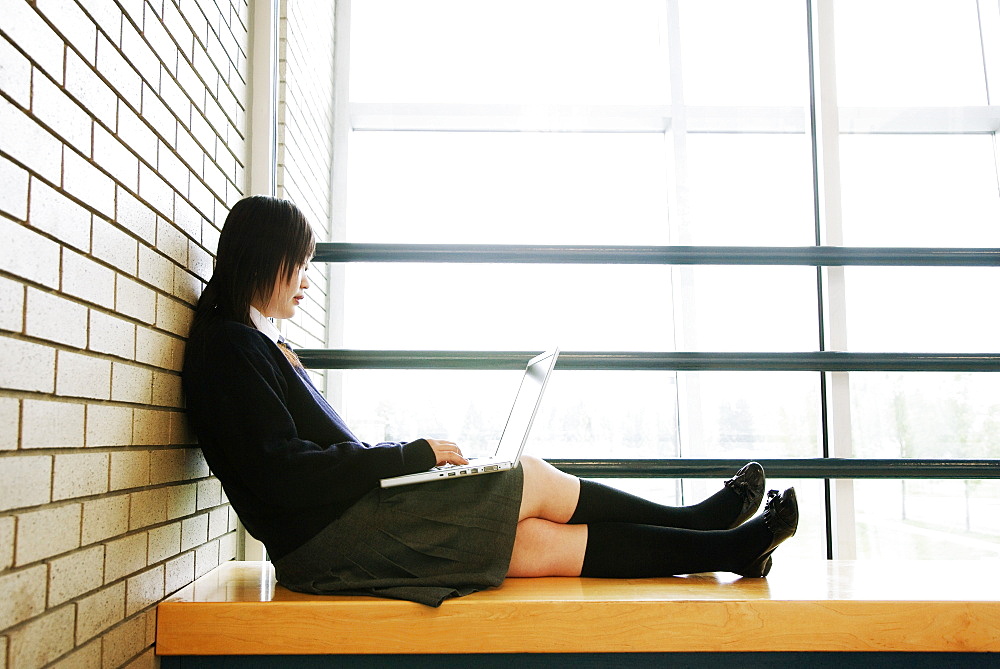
{"points": [[827, 164]]}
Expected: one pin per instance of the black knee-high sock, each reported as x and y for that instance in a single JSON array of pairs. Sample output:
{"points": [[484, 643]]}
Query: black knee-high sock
{"points": [[625, 550], [603, 504]]}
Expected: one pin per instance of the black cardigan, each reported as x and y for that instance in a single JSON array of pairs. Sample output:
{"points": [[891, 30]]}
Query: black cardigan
{"points": [[288, 463]]}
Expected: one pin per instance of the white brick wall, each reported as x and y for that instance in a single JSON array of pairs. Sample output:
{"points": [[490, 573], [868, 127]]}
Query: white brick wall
{"points": [[122, 148]]}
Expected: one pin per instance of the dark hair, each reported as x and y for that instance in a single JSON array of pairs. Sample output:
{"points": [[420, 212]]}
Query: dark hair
{"points": [[263, 238]]}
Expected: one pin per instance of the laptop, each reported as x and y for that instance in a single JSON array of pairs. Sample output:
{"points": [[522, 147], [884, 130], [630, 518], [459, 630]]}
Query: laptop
{"points": [[515, 433]]}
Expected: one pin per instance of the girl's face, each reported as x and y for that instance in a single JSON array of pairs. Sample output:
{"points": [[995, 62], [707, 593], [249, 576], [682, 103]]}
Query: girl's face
{"points": [[286, 295]]}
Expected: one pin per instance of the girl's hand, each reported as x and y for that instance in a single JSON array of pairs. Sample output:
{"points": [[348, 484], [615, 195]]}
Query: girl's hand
{"points": [[447, 452]]}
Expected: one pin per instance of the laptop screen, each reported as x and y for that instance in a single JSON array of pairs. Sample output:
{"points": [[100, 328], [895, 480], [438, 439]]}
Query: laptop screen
{"points": [[526, 403]]}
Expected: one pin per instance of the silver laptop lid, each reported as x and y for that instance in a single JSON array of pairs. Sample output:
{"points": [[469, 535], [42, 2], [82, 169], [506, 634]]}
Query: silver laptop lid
{"points": [[522, 414]]}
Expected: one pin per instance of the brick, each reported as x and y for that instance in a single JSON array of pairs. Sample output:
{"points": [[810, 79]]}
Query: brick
{"points": [[135, 300], [156, 192], [138, 53], [171, 242], [159, 40], [144, 590], [134, 132], [167, 466], [76, 574], [155, 269], [202, 198], [48, 532], [93, 93], [82, 376], [209, 493], [187, 286], [115, 247], [124, 556], [172, 169], [129, 469], [46, 424], [13, 189], [29, 143], [60, 113], [173, 315], [194, 531], [218, 522], [6, 542], [159, 116], [154, 347], [115, 158], [42, 640], [74, 25], [200, 262], [84, 657], [134, 10], [99, 611], [227, 547], [11, 305], [24, 595], [179, 572], [197, 467], [26, 481], [124, 642], [130, 383], [176, 100], [151, 427], [164, 542], [10, 425], [104, 518], [206, 558], [80, 475], [84, 181], [15, 74], [167, 393], [136, 217], [108, 425], [181, 500], [58, 215], [25, 365], [148, 507], [25, 28], [108, 16], [88, 280], [120, 74], [193, 88], [112, 335], [52, 317]]}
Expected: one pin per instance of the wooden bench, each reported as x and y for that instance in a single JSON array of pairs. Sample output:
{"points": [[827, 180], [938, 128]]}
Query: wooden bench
{"points": [[839, 606]]}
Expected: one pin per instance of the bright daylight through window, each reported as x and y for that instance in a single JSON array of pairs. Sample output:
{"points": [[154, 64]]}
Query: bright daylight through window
{"points": [[686, 123]]}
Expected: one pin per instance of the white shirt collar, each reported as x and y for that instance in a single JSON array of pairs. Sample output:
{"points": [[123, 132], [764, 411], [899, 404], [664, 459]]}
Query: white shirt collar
{"points": [[265, 325]]}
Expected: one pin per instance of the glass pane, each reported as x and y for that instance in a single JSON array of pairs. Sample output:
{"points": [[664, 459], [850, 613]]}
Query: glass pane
{"points": [[750, 415], [932, 415], [513, 307], [507, 188], [584, 414], [920, 190], [922, 309], [746, 308], [744, 53], [908, 53], [928, 520], [515, 51], [748, 190]]}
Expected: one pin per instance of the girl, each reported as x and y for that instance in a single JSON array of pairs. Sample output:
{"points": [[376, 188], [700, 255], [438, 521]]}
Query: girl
{"points": [[307, 488]]}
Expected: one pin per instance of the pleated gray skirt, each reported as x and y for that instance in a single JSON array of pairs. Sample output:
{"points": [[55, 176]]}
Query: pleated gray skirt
{"points": [[424, 542]]}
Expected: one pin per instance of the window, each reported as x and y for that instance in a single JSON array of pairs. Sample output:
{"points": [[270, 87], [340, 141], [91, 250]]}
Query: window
{"points": [[727, 196]]}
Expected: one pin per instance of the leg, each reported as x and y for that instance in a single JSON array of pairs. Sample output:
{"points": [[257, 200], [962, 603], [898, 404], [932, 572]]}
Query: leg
{"points": [[548, 493], [545, 548]]}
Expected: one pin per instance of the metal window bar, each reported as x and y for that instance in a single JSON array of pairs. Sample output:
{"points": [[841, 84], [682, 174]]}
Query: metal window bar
{"points": [[817, 361]]}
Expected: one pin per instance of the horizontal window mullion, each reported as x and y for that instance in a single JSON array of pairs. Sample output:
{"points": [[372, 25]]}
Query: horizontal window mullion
{"points": [[785, 468], [815, 361], [818, 256]]}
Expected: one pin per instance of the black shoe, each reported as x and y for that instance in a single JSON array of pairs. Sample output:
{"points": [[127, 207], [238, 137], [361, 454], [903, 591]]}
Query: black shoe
{"points": [[749, 485], [781, 515]]}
